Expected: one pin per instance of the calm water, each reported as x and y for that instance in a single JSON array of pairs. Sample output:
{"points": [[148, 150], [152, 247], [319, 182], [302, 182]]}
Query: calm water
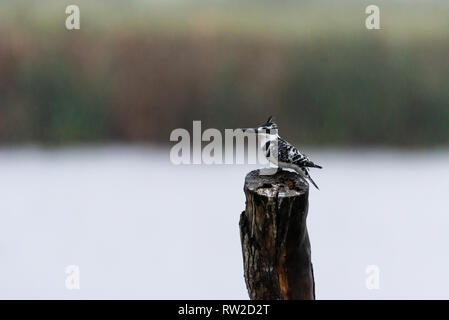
{"points": [[139, 227]]}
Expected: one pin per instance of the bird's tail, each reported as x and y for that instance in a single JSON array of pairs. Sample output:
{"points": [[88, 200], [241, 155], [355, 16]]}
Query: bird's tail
{"points": [[313, 182], [310, 164], [310, 178]]}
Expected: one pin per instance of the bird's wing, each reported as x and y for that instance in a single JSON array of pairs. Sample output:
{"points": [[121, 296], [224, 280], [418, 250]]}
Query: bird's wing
{"points": [[289, 153]]}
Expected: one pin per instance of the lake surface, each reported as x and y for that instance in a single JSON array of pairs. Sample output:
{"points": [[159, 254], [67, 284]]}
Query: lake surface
{"points": [[139, 227]]}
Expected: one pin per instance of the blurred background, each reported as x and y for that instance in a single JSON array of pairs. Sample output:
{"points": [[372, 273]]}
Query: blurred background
{"points": [[86, 115]]}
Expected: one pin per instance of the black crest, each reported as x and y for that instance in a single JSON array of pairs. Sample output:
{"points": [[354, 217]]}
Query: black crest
{"points": [[269, 125]]}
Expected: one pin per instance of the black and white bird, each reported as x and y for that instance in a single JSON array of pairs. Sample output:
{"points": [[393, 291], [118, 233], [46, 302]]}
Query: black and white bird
{"points": [[280, 152]]}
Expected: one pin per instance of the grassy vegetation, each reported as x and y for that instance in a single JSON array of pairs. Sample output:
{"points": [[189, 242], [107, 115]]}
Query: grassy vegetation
{"points": [[136, 70]]}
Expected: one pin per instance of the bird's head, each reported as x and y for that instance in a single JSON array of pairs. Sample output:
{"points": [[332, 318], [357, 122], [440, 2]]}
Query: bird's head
{"points": [[268, 128]]}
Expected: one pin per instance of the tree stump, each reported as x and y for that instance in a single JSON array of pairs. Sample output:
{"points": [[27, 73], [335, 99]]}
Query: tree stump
{"points": [[275, 242]]}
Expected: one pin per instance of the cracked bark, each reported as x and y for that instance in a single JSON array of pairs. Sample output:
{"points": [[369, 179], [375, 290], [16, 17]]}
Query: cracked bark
{"points": [[275, 243]]}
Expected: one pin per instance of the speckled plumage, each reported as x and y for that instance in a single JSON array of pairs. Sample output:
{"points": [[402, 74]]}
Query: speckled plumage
{"points": [[283, 154]]}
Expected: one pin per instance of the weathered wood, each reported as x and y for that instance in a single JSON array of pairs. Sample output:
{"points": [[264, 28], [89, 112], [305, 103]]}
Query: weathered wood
{"points": [[275, 242]]}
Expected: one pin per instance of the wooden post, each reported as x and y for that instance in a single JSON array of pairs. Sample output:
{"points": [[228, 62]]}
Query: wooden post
{"points": [[275, 242]]}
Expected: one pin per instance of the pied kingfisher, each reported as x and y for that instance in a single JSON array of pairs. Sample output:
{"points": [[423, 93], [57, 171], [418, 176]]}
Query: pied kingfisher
{"points": [[280, 152]]}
